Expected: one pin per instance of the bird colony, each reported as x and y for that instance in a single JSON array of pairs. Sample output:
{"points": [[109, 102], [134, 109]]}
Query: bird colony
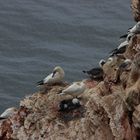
{"points": [[104, 106]]}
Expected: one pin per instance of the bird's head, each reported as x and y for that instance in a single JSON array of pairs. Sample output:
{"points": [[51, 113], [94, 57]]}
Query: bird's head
{"points": [[59, 70]]}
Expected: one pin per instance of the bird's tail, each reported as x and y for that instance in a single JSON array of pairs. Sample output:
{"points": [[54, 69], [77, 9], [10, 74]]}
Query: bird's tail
{"points": [[112, 51], [123, 36], [87, 72], [84, 71], [2, 118], [40, 82]]}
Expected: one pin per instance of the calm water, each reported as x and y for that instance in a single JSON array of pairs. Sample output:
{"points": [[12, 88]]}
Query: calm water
{"points": [[36, 35]]}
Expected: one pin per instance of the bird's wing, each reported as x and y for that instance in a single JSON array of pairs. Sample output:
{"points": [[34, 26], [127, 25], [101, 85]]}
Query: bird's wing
{"points": [[124, 36], [52, 78], [5, 113], [129, 29], [122, 49], [133, 29], [41, 82], [48, 78], [114, 50], [71, 89], [96, 71], [125, 43]]}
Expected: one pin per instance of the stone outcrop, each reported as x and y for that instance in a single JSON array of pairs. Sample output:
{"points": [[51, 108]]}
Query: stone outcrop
{"points": [[110, 109], [136, 9]]}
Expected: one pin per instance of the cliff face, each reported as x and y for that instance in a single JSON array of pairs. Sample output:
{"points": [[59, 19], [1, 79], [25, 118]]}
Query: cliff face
{"points": [[136, 9], [110, 109]]}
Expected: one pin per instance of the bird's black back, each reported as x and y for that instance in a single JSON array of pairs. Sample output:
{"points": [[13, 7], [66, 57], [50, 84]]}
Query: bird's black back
{"points": [[69, 104]]}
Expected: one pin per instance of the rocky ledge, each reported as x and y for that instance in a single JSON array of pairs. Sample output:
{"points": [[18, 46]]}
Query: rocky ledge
{"points": [[109, 110], [136, 9]]}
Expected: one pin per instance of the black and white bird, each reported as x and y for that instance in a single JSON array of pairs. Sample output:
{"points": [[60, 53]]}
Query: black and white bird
{"points": [[55, 77], [75, 89], [8, 113], [132, 31], [68, 105], [120, 49], [95, 73]]}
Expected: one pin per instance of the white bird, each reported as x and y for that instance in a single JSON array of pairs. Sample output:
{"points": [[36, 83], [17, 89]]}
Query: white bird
{"points": [[56, 76], [76, 89], [132, 31], [120, 49], [125, 43], [135, 28], [8, 113]]}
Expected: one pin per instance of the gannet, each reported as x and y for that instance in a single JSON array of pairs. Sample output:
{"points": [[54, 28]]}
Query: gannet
{"points": [[120, 49], [55, 77], [76, 89], [95, 73], [132, 31], [8, 113], [68, 105]]}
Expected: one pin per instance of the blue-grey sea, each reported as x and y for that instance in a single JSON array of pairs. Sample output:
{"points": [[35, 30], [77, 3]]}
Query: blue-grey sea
{"points": [[37, 35]]}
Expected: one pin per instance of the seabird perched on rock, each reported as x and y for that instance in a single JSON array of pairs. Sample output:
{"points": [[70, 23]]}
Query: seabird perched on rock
{"points": [[132, 31], [125, 43], [55, 77], [95, 73], [120, 49], [8, 113], [76, 89], [68, 105]]}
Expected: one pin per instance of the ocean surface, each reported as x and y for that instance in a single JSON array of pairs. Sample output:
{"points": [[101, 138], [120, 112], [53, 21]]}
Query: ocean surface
{"points": [[37, 35]]}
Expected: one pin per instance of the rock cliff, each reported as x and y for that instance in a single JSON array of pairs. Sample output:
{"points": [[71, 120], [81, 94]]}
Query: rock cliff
{"points": [[136, 9], [110, 109]]}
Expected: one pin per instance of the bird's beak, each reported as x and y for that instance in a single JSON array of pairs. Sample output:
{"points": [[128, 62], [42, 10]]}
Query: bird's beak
{"points": [[53, 73]]}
